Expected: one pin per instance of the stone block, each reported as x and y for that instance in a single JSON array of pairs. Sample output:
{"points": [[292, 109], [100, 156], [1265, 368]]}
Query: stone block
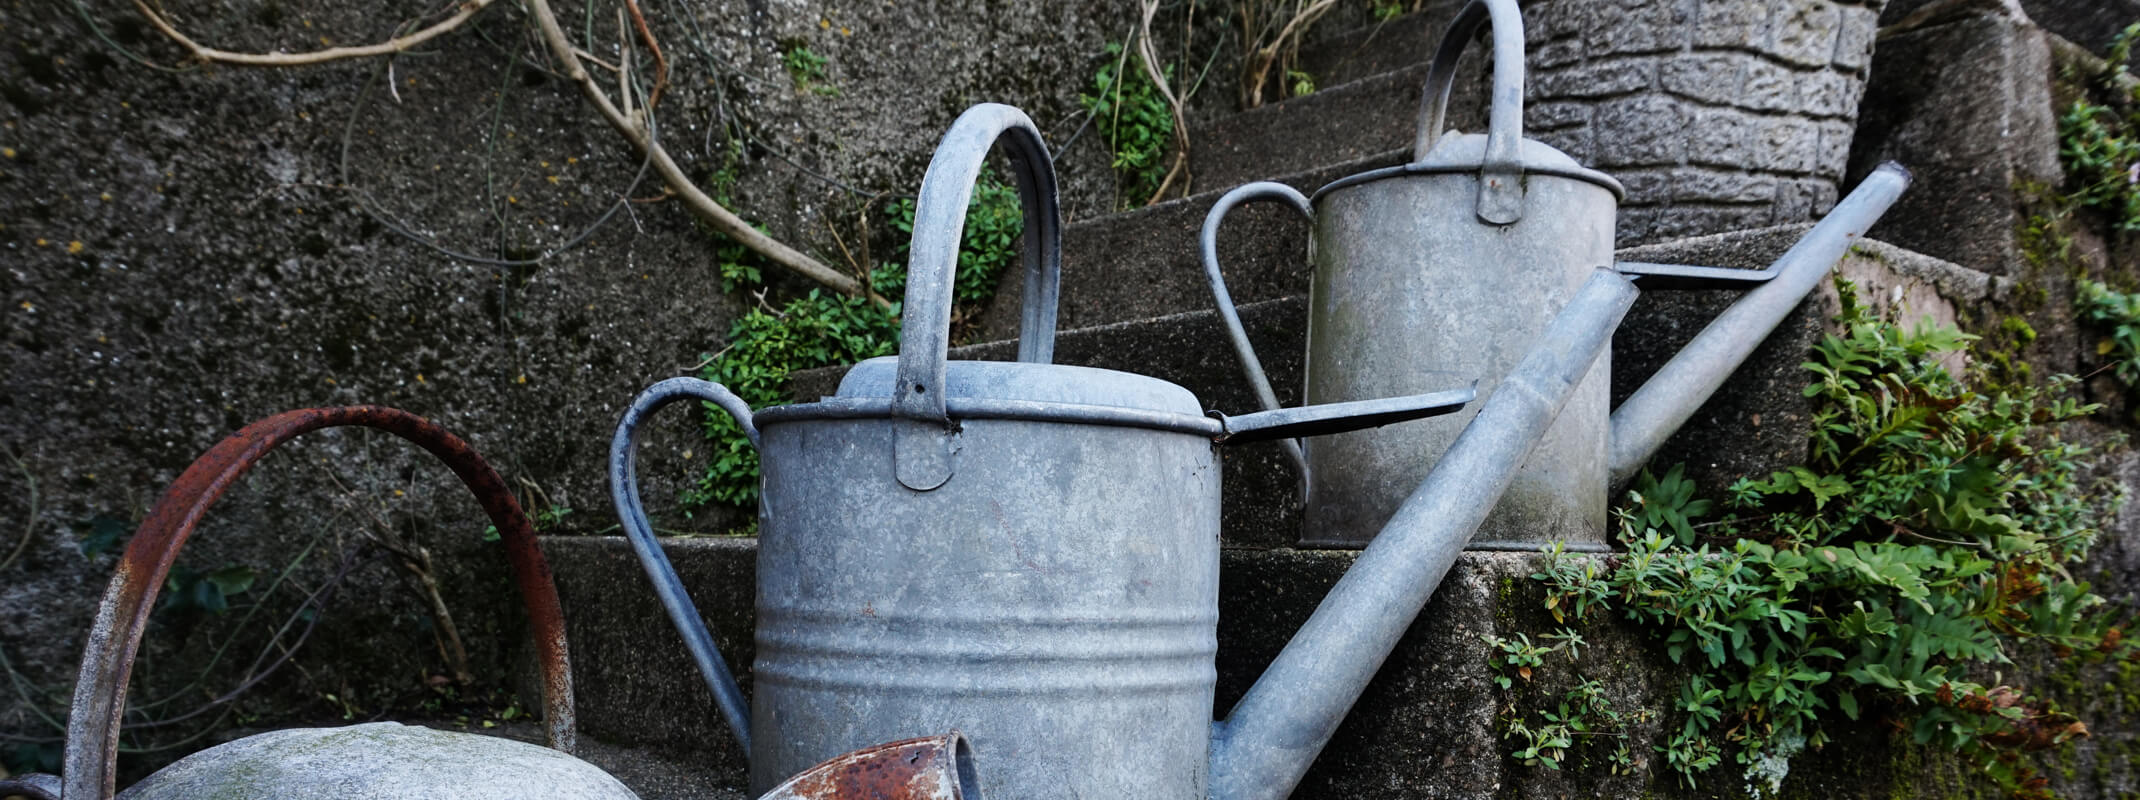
{"points": [[1711, 77], [1721, 186], [1645, 186], [1642, 131], [1556, 54], [1550, 115], [1681, 221], [1722, 137], [1787, 144], [1635, 26], [1636, 224], [1834, 151], [1966, 105], [1732, 24], [1805, 200], [1829, 94], [1597, 79], [1770, 86], [1855, 33], [1806, 32], [1577, 142]]}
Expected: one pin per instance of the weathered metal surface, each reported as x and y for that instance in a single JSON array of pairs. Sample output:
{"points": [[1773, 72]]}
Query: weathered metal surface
{"points": [[1408, 296], [1266, 744], [100, 690], [377, 761], [33, 786], [928, 768], [1022, 551]]}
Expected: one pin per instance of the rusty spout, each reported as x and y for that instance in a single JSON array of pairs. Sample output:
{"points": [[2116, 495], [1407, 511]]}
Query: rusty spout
{"points": [[929, 768], [100, 691]]}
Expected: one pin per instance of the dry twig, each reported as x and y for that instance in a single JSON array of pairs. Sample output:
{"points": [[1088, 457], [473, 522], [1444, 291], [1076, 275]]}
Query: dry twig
{"points": [[200, 52]]}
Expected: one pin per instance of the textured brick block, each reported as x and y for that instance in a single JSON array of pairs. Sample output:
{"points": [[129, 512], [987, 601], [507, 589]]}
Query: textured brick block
{"points": [[1555, 54], [1646, 186], [1577, 142], [1805, 32], [1721, 137], [1788, 144], [1721, 186], [1547, 116], [1642, 131], [1803, 200], [1833, 155], [1683, 221], [1635, 26], [1854, 36], [1732, 23], [1831, 94], [1597, 80], [1770, 87], [1711, 77]]}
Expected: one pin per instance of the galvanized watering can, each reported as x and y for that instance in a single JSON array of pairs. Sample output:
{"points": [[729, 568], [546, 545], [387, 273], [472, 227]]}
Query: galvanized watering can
{"points": [[386, 760], [1024, 551], [1452, 265]]}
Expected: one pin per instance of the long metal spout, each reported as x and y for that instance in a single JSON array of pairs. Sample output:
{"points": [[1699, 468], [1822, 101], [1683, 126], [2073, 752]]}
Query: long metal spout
{"points": [[1670, 397], [1263, 748], [932, 768]]}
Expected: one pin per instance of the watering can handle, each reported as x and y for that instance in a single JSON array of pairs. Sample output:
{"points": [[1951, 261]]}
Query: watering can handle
{"points": [[923, 431], [624, 492], [1501, 170], [1208, 249], [100, 691]]}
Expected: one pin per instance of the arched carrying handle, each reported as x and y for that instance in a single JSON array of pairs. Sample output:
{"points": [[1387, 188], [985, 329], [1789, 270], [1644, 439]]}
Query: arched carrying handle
{"points": [[624, 491], [100, 691], [1208, 248], [924, 435], [1501, 170]]}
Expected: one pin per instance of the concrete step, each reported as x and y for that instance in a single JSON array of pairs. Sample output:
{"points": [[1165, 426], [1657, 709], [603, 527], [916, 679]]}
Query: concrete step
{"points": [[1402, 41], [1755, 425], [1427, 726], [1143, 263]]}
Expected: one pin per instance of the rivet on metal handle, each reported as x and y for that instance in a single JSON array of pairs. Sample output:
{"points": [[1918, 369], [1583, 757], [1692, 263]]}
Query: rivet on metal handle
{"points": [[925, 439], [669, 589], [1501, 171], [100, 690]]}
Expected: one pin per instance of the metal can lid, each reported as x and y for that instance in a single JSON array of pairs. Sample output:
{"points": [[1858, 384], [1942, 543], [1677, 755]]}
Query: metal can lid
{"points": [[1040, 383], [1457, 153]]}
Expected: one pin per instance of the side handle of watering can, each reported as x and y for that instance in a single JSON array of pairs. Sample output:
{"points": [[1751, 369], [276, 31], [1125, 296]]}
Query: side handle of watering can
{"points": [[1672, 395], [668, 588], [100, 690], [1501, 170], [924, 435], [1208, 249]]}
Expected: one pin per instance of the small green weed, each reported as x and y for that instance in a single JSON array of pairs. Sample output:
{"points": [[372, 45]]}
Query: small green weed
{"points": [[1133, 117], [2099, 143], [807, 69], [821, 329], [1929, 532], [2118, 315]]}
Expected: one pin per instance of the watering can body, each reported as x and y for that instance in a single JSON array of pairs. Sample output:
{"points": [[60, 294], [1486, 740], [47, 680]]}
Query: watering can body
{"points": [[1402, 299], [1026, 552]]}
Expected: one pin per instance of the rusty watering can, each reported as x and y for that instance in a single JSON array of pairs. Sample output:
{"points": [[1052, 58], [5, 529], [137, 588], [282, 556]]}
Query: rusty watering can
{"points": [[1451, 266], [1024, 551], [386, 760]]}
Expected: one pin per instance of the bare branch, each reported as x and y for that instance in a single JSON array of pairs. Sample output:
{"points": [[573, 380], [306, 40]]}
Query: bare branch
{"points": [[201, 52], [635, 129]]}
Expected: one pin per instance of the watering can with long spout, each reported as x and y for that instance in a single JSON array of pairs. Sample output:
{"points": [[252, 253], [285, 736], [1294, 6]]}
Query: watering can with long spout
{"points": [[1024, 551], [1452, 265], [386, 760]]}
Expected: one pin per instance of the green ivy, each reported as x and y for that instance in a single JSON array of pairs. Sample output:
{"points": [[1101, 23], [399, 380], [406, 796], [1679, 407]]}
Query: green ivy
{"points": [[1929, 531], [1133, 117], [822, 329], [2117, 314], [2099, 144]]}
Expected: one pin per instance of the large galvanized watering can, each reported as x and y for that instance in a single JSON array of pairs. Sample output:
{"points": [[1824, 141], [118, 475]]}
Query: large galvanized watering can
{"points": [[1451, 266], [1024, 551], [385, 760]]}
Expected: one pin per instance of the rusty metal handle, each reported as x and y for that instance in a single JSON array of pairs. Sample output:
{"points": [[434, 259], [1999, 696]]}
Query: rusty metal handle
{"points": [[923, 442], [624, 492], [1208, 250], [928, 768], [100, 690], [1501, 170]]}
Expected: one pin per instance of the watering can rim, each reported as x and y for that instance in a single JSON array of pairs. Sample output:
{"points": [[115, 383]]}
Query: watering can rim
{"points": [[1030, 382], [1463, 154]]}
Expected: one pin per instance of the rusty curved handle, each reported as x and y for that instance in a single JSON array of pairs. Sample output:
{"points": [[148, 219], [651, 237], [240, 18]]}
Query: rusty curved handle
{"points": [[922, 444], [1500, 170], [100, 691], [1208, 250], [624, 492]]}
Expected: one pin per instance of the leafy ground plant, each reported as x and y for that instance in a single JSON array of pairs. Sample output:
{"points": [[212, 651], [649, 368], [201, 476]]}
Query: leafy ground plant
{"points": [[1925, 541], [821, 329], [1133, 117]]}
